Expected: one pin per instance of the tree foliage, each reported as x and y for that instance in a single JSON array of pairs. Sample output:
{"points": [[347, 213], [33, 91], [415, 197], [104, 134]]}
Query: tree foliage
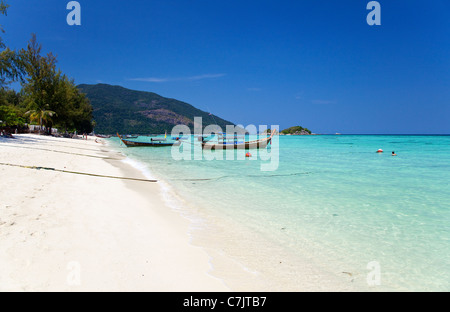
{"points": [[73, 109], [11, 114], [48, 89], [10, 70], [41, 115]]}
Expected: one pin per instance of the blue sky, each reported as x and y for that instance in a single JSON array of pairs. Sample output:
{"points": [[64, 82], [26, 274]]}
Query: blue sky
{"points": [[315, 63]]}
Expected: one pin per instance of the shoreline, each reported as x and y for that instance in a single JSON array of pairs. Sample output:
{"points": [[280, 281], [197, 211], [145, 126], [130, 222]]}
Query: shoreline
{"points": [[67, 232]]}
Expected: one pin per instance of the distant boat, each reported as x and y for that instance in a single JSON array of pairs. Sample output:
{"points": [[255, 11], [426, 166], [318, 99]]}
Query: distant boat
{"points": [[131, 137], [227, 142], [102, 136], [153, 143]]}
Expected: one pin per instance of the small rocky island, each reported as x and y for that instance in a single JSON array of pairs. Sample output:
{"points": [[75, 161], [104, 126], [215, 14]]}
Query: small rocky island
{"points": [[297, 130]]}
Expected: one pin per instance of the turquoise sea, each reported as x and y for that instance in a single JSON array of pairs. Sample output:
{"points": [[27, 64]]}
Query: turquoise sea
{"points": [[335, 199]]}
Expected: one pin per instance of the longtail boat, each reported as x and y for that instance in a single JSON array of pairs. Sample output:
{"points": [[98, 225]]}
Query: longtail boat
{"points": [[233, 143], [153, 143]]}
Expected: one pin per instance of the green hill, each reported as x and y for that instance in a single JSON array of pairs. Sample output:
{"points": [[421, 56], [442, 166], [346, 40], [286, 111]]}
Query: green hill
{"points": [[117, 109]]}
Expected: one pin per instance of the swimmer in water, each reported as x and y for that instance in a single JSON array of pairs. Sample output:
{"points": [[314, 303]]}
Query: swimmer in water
{"points": [[393, 154]]}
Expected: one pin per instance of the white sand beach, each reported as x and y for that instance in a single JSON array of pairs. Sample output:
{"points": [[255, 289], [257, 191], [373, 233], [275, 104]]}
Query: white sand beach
{"points": [[67, 232]]}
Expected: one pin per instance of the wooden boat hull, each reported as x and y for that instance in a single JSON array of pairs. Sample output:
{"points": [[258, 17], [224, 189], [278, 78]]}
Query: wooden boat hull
{"points": [[148, 144], [262, 143]]}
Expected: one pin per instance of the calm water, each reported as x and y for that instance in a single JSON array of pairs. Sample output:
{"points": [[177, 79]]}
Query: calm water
{"points": [[335, 198]]}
